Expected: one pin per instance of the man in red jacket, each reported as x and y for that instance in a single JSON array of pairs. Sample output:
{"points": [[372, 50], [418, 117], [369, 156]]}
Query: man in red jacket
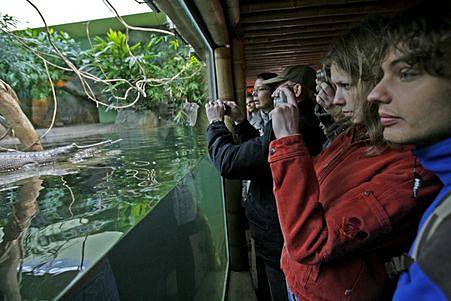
{"points": [[346, 212]]}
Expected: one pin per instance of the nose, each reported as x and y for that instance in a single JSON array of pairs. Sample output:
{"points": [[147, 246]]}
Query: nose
{"points": [[339, 99], [379, 93]]}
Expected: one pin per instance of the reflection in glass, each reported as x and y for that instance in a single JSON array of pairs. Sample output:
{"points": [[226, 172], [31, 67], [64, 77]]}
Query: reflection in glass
{"points": [[151, 199]]}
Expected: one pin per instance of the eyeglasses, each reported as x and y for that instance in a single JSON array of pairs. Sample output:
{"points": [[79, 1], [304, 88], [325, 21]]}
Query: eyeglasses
{"points": [[259, 89]]}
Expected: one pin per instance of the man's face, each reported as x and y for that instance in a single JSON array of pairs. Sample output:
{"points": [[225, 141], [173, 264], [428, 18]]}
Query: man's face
{"points": [[250, 104], [414, 106], [262, 95], [345, 96]]}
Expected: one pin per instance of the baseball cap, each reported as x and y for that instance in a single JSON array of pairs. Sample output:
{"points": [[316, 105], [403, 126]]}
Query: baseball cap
{"points": [[299, 74]]}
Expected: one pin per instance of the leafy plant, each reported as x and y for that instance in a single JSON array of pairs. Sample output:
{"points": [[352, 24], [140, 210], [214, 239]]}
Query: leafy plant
{"points": [[25, 71], [112, 58], [162, 57], [172, 73]]}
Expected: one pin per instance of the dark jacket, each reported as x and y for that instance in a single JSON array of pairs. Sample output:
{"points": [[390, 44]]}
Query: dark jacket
{"points": [[246, 159], [344, 214]]}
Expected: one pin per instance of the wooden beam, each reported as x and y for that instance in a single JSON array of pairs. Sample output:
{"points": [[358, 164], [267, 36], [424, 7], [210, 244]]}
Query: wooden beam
{"points": [[303, 22], [279, 68], [282, 65], [281, 56], [213, 16], [327, 12], [239, 68], [183, 25], [294, 37], [295, 52], [223, 62], [284, 52], [297, 30], [282, 61], [269, 55], [286, 46], [294, 43], [232, 12], [261, 7]]}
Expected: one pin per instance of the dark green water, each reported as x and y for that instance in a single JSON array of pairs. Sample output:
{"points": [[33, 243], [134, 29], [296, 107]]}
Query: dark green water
{"points": [[147, 210]]}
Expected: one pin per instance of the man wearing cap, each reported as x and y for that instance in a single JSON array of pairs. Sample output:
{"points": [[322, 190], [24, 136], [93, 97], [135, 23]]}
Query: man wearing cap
{"points": [[298, 83], [246, 159]]}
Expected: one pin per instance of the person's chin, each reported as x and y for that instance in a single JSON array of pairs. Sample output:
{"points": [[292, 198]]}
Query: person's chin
{"points": [[397, 136]]}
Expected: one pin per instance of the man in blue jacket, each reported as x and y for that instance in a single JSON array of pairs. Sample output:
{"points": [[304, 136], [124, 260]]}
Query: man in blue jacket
{"points": [[414, 100]]}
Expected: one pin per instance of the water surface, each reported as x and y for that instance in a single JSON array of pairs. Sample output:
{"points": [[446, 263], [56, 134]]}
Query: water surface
{"points": [[59, 223]]}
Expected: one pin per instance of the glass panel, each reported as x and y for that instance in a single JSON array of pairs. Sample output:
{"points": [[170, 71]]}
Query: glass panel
{"points": [[74, 229], [179, 251]]}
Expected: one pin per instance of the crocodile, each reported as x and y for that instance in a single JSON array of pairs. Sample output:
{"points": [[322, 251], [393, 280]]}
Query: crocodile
{"points": [[14, 160]]}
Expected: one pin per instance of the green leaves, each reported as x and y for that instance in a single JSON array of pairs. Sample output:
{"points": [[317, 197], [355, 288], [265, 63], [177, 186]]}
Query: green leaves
{"points": [[162, 65], [159, 59], [25, 71]]}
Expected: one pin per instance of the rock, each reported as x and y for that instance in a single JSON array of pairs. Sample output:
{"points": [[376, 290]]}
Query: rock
{"points": [[131, 118]]}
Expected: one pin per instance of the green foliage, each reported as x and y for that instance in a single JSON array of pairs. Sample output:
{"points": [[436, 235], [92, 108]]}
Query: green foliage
{"points": [[161, 57], [171, 72], [25, 71], [111, 58]]}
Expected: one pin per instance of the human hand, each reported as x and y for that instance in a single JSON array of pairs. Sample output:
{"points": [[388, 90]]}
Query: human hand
{"points": [[282, 93], [234, 112], [215, 111], [325, 95], [285, 118]]}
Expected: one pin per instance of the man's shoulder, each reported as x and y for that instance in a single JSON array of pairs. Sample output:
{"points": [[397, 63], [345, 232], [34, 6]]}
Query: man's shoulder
{"points": [[434, 248]]}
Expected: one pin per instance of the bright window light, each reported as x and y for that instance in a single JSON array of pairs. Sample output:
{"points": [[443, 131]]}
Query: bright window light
{"points": [[67, 11]]}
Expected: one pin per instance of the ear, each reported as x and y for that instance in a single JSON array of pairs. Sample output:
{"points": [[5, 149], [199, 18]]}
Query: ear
{"points": [[297, 89]]}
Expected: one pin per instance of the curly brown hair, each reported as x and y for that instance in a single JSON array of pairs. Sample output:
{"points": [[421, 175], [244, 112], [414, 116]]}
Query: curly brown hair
{"points": [[359, 53], [423, 34]]}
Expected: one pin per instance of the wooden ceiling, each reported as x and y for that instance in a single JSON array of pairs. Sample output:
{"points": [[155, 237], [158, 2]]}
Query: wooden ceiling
{"points": [[281, 33]]}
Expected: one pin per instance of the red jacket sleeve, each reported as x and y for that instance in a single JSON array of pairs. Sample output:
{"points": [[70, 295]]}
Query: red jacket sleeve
{"points": [[315, 233]]}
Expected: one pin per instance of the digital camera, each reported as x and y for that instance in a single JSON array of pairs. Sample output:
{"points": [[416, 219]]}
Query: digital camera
{"points": [[281, 98]]}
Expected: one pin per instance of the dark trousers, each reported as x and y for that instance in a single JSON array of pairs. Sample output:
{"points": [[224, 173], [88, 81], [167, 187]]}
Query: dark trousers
{"points": [[271, 281]]}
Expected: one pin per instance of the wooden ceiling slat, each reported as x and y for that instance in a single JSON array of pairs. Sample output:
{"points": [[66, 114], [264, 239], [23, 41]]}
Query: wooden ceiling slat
{"points": [[260, 6], [288, 51], [252, 75], [302, 22], [281, 33], [285, 45], [297, 30], [277, 60], [281, 52], [293, 37], [296, 14], [281, 66], [282, 56], [297, 43], [282, 60]]}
